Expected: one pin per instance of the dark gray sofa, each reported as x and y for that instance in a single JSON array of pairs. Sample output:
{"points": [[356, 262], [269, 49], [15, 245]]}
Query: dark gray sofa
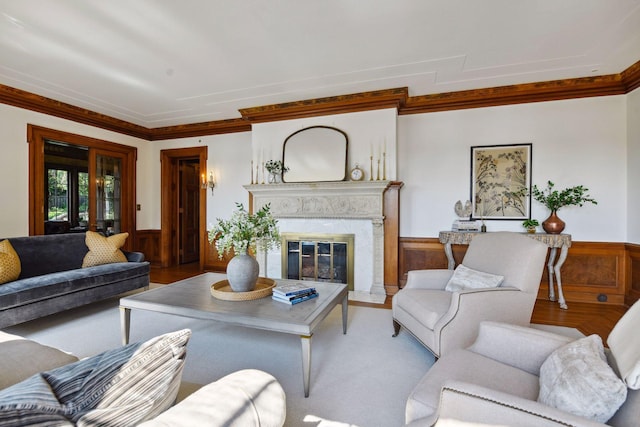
{"points": [[52, 278]]}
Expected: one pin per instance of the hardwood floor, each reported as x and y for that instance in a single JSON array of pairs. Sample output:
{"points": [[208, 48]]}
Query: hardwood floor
{"points": [[587, 318]]}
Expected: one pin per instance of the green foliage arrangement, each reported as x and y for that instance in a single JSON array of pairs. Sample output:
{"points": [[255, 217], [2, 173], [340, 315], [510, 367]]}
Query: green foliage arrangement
{"points": [[275, 166], [245, 231], [555, 199], [530, 223]]}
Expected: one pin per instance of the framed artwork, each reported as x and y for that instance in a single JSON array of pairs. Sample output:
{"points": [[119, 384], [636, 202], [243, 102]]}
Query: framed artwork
{"points": [[501, 182]]}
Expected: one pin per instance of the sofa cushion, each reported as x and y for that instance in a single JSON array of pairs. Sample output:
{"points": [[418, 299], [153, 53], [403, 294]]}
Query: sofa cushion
{"points": [[427, 306], [104, 250], [577, 379], [624, 343], [9, 263], [34, 289], [22, 358], [468, 278]]}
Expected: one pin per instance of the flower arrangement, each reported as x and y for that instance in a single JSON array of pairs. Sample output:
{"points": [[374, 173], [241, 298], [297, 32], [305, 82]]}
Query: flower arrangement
{"points": [[555, 199], [275, 166], [245, 231]]}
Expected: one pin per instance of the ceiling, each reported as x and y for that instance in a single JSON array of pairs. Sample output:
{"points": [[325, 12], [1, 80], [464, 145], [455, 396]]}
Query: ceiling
{"points": [[159, 63]]}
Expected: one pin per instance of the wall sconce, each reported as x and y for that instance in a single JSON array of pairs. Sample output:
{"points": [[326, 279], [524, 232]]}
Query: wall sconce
{"points": [[203, 181], [212, 181]]}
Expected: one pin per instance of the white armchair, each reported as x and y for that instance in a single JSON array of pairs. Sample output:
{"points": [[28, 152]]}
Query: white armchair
{"points": [[443, 320]]}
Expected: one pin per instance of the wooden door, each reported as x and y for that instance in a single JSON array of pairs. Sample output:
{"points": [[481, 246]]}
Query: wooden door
{"points": [[189, 211]]}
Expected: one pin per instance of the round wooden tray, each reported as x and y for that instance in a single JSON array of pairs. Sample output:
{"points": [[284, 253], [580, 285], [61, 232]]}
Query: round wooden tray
{"points": [[222, 290]]}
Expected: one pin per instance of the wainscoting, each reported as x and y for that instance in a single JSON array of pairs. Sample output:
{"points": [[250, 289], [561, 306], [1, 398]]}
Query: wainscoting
{"points": [[594, 272], [148, 242]]}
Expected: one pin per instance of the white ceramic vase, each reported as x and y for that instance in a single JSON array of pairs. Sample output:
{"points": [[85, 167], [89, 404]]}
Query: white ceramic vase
{"points": [[242, 273]]}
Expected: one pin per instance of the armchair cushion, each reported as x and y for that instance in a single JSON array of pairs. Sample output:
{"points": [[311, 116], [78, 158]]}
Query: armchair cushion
{"points": [[468, 278], [425, 305], [577, 379], [624, 343]]}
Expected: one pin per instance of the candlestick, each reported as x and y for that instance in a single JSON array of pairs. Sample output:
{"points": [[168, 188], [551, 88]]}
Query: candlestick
{"points": [[257, 174], [371, 167], [263, 172], [384, 166], [251, 171], [378, 171]]}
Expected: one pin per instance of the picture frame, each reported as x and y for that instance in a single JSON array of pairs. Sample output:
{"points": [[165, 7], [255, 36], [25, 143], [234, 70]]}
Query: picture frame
{"points": [[501, 182]]}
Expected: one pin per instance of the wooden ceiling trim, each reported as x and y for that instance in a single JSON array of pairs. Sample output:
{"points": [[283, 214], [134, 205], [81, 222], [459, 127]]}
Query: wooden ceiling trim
{"points": [[631, 77], [516, 94], [201, 129], [31, 101], [374, 100]]}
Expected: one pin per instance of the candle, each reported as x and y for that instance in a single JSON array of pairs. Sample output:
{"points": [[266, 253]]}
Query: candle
{"points": [[372, 150]]}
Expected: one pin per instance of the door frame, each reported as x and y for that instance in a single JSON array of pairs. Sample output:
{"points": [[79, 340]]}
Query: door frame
{"points": [[36, 137], [168, 215]]}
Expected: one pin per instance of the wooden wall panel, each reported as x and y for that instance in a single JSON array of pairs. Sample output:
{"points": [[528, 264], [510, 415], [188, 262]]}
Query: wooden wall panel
{"points": [[607, 270], [148, 242], [391, 236]]}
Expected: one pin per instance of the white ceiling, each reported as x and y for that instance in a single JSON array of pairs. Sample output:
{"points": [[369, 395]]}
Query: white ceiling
{"points": [[166, 62]]}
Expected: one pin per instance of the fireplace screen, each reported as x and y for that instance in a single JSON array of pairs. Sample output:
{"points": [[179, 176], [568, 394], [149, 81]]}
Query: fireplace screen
{"points": [[319, 257]]}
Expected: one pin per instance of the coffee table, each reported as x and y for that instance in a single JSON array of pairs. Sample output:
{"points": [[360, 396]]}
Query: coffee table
{"points": [[192, 298]]}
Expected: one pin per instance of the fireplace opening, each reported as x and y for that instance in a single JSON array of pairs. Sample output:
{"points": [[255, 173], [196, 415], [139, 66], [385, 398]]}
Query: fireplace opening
{"points": [[318, 257]]}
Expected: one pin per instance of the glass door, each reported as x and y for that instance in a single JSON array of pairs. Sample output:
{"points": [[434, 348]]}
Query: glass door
{"points": [[105, 213]]}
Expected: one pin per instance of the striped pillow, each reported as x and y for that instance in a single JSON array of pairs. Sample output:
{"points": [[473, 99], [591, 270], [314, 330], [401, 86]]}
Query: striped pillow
{"points": [[31, 403]]}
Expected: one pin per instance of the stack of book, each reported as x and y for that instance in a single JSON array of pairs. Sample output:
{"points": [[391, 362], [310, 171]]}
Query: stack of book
{"points": [[293, 293], [465, 225]]}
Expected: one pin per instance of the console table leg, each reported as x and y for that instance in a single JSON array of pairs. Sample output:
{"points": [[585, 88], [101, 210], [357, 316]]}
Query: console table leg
{"points": [[306, 362], [449, 253], [563, 256], [345, 310], [125, 322], [552, 259]]}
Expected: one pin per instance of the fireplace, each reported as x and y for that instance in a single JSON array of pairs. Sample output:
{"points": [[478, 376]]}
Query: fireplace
{"points": [[318, 257], [347, 207]]}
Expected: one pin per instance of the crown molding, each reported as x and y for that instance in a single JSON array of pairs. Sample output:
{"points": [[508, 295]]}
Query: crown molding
{"points": [[31, 101], [516, 94], [374, 100], [613, 84], [200, 129]]}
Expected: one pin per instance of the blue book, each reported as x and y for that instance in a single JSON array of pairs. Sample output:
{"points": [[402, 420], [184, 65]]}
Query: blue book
{"points": [[295, 300], [293, 289]]}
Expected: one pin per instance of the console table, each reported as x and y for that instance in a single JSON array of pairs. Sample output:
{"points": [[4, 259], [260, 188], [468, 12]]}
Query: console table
{"points": [[553, 241]]}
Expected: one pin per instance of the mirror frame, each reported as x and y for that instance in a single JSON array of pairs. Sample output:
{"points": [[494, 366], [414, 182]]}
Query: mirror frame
{"points": [[324, 157]]}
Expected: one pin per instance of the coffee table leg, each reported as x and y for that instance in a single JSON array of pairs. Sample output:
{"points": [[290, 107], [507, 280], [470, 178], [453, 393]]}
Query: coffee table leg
{"points": [[306, 362], [345, 309], [125, 321]]}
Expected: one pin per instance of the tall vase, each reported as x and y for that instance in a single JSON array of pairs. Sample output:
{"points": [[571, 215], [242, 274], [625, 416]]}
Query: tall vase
{"points": [[553, 224], [242, 273]]}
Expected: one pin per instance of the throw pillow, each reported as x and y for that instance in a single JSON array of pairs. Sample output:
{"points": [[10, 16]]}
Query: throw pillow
{"points": [[468, 278], [124, 386], [9, 263], [104, 250], [577, 379]]}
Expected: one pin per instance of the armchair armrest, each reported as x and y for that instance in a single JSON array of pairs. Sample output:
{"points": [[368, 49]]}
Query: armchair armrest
{"points": [[243, 398], [428, 279], [464, 404], [518, 346]]}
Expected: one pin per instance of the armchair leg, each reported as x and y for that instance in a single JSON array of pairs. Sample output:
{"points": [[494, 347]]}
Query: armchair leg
{"points": [[396, 328]]}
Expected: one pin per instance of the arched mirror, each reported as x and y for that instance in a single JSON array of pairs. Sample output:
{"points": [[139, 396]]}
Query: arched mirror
{"points": [[314, 154]]}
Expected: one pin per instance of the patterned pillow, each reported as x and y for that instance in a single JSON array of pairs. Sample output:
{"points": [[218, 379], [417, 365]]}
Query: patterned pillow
{"points": [[31, 403], [9, 263], [577, 379], [468, 278], [104, 250], [124, 386]]}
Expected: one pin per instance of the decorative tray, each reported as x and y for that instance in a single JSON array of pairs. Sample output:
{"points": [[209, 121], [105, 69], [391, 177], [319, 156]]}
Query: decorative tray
{"points": [[222, 290]]}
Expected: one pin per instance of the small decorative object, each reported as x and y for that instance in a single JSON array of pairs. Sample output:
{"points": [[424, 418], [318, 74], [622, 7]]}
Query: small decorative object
{"points": [[530, 225], [245, 233], [357, 174], [275, 169], [555, 199]]}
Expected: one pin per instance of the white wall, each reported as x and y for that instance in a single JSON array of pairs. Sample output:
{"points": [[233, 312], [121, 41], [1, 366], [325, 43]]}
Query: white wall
{"points": [[14, 161], [581, 141], [633, 166]]}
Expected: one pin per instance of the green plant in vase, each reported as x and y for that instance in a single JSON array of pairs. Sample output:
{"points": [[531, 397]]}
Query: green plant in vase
{"points": [[530, 225], [555, 199], [244, 233]]}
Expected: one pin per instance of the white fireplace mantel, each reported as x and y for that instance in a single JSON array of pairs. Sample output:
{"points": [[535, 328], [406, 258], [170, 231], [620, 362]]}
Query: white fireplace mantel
{"points": [[345, 200]]}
